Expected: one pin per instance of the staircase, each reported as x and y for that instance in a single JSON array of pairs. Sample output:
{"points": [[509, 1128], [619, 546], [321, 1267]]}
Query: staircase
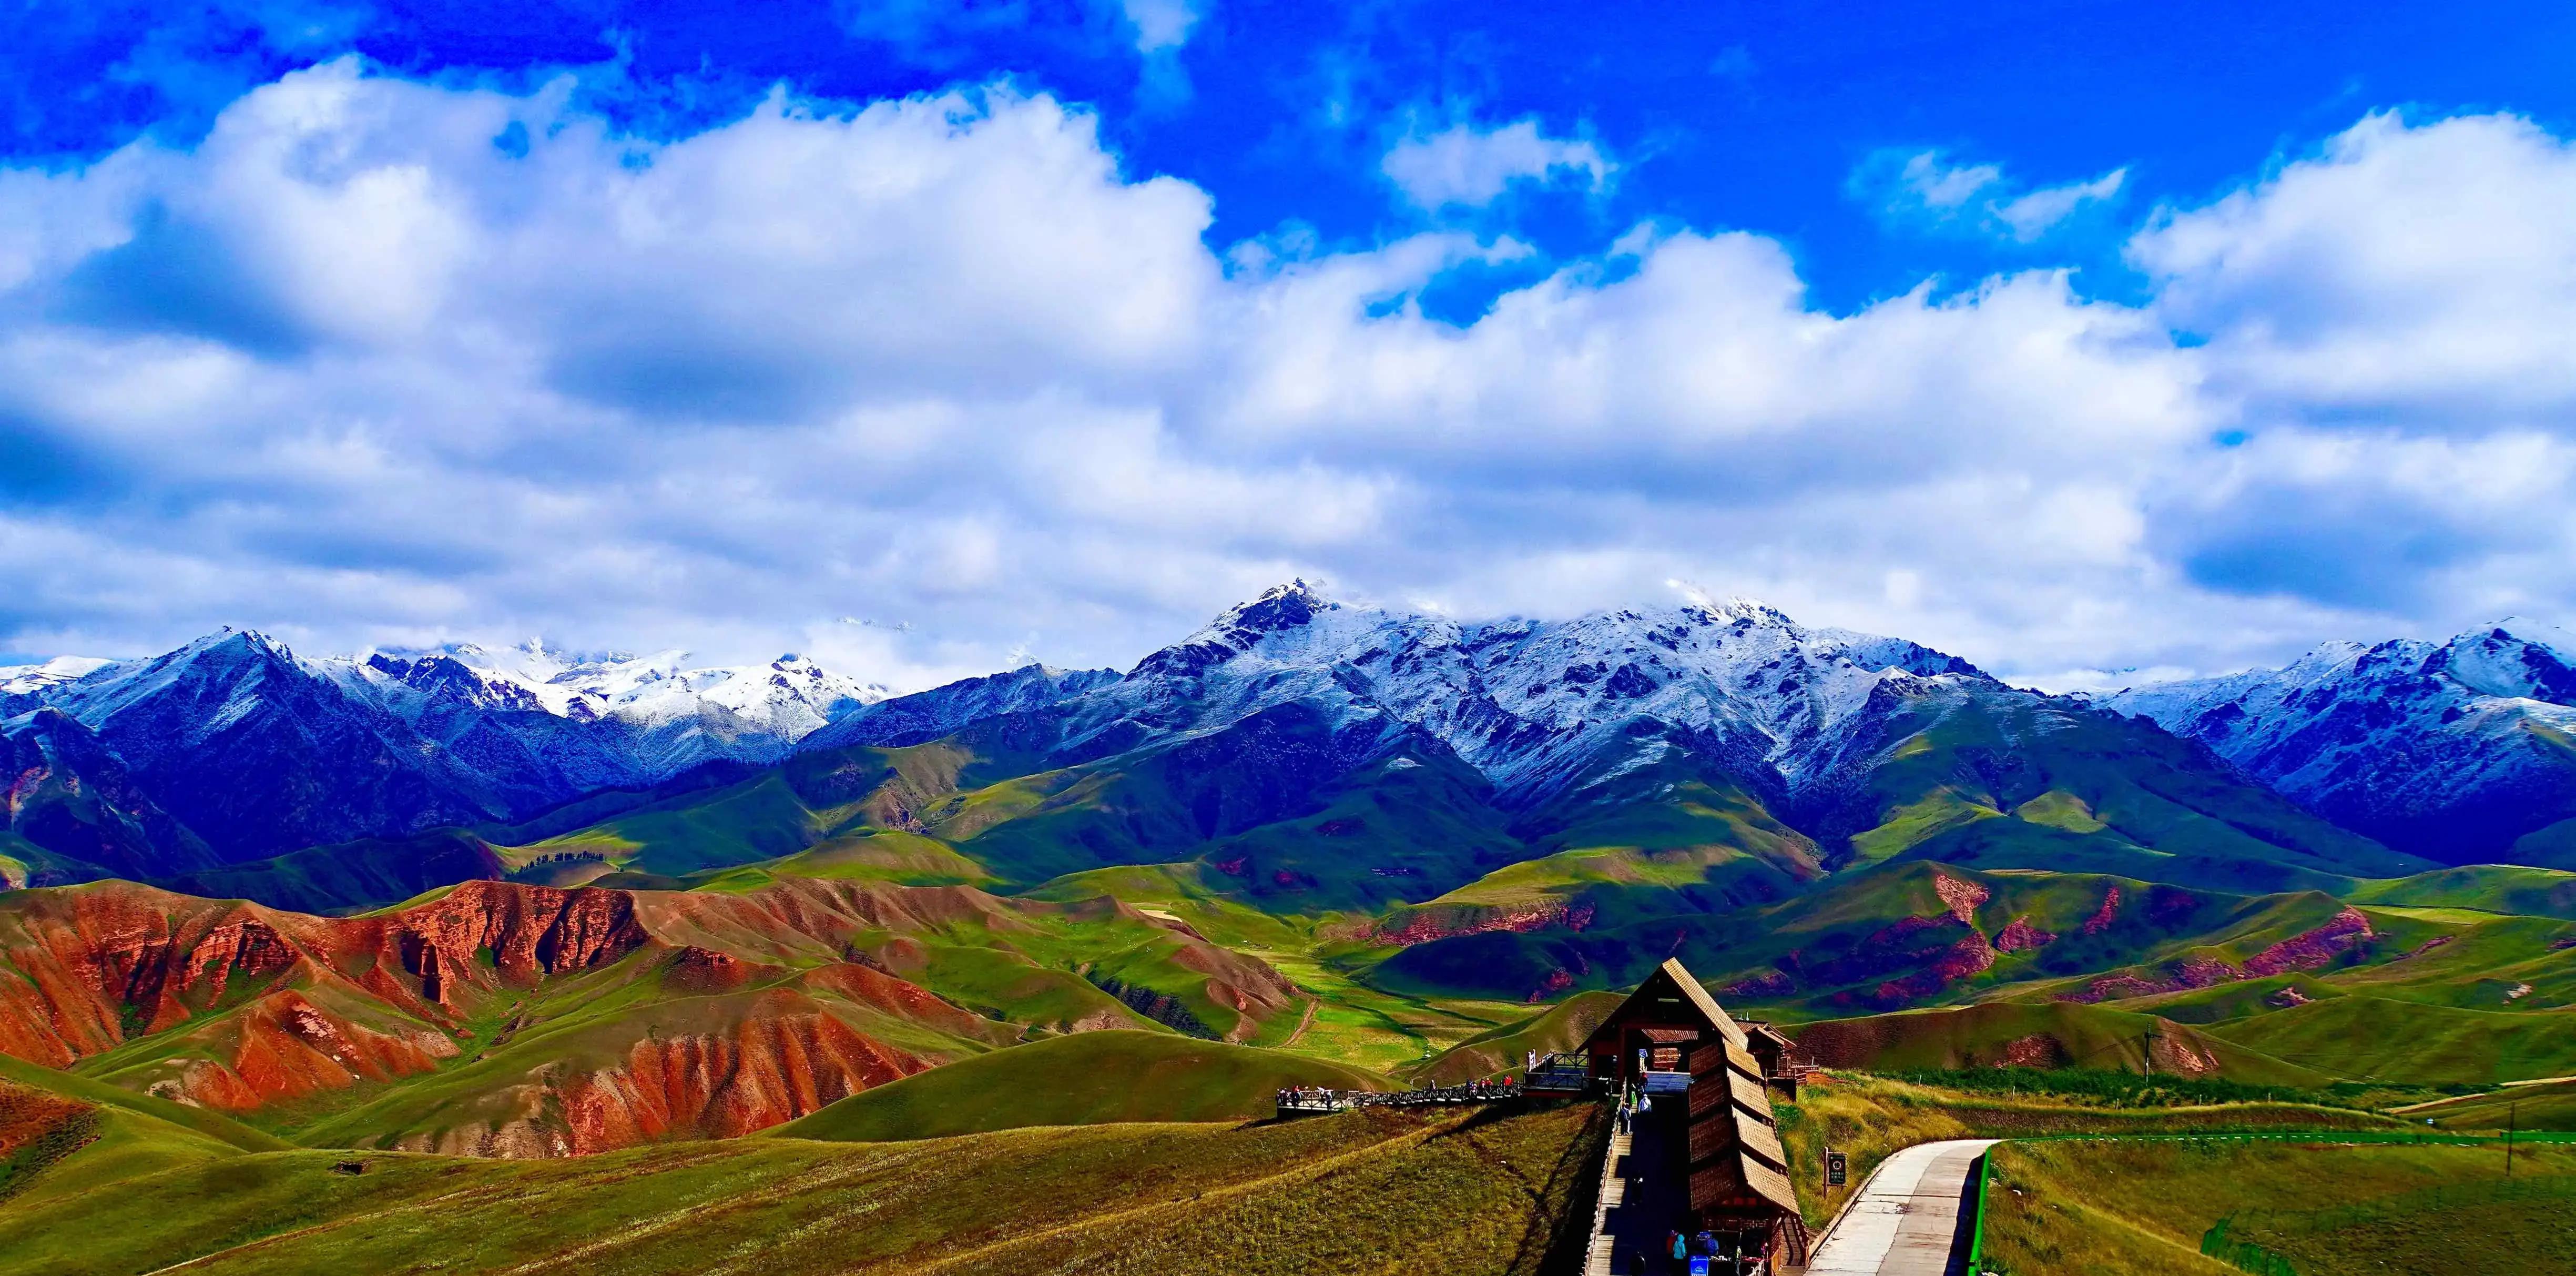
{"points": [[1614, 1193]]}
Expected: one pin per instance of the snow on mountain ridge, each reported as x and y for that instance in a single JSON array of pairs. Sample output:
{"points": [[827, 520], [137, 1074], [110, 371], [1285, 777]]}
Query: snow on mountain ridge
{"points": [[29, 679], [2406, 739], [1533, 705]]}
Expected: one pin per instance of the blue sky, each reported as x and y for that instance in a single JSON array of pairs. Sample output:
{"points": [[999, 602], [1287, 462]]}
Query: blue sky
{"points": [[2079, 338]]}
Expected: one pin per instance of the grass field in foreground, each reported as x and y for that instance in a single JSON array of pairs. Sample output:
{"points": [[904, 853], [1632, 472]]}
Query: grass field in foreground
{"points": [[2131, 1209], [1868, 1118], [1379, 1192], [1089, 1078]]}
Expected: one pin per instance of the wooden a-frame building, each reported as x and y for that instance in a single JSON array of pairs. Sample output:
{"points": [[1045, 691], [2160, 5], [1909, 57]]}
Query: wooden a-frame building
{"points": [[1670, 1037]]}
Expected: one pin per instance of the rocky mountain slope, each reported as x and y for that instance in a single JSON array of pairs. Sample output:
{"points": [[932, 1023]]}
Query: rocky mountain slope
{"points": [[1273, 743], [256, 750], [2463, 751]]}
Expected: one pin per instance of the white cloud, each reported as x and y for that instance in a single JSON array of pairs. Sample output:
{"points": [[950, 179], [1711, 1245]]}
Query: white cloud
{"points": [[1468, 166], [352, 371], [2424, 272], [1161, 25], [1923, 189]]}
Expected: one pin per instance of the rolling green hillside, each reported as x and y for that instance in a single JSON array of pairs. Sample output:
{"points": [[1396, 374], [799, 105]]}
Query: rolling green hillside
{"points": [[1329, 1195], [2494, 888], [350, 876], [2142, 1208], [211, 1126], [1988, 781], [2040, 1036], [1882, 937], [1561, 1027], [2546, 1105], [1089, 1078], [2379, 1039]]}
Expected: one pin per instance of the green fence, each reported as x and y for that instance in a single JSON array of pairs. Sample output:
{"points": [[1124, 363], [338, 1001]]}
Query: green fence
{"points": [[2221, 1243], [1977, 1223], [2244, 1256], [2447, 1196]]}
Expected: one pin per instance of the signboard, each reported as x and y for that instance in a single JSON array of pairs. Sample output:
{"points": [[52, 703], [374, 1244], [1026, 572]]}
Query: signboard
{"points": [[1834, 1169]]}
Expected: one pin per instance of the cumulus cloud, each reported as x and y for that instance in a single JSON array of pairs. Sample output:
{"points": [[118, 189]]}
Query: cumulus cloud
{"points": [[1925, 190], [1161, 25], [1466, 166], [380, 361], [2424, 272]]}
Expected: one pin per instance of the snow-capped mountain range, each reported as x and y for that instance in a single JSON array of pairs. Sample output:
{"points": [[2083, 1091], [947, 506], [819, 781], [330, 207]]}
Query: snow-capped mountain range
{"points": [[259, 749], [2460, 750], [1807, 738], [1534, 706], [250, 749]]}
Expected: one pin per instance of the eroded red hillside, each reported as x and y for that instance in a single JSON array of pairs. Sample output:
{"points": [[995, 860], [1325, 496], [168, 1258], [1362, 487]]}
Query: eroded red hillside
{"points": [[758, 1004]]}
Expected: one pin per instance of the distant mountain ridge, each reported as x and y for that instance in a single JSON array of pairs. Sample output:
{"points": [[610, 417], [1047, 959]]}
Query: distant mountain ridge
{"points": [[2462, 751], [1811, 749], [1534, 706], [257, 750], [1302, 745]]}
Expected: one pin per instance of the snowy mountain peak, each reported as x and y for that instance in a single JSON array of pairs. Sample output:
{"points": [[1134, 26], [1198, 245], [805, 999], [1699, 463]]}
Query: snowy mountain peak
{"points": [[29, 679], [1534, 705], [1278, 607], [1741, 609], [2515, 659], [2438, 748]]}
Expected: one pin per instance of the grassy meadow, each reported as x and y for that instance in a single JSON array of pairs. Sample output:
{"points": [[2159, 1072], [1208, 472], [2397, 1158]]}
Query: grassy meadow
{"points": [[2140, 1208], [1374, 1192]]}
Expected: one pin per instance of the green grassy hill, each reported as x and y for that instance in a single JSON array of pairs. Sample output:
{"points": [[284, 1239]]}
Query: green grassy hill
{"points": [[1882, 937], [2142, 1208], [1560, 1027], [353, 875], [2494, 888], [214, 1127], [1088, 1078], [2380, 1039], [2548, 1105], [2048, 1034], [1330, 1195], [111, 1135]]}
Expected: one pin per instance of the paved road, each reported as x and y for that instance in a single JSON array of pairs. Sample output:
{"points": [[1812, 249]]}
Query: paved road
{"points": [[1905, 1222]]}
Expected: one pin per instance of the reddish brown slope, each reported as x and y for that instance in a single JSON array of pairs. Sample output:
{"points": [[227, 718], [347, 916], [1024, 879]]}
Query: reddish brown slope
{"points": [[263, 1006], [755, 1014]]}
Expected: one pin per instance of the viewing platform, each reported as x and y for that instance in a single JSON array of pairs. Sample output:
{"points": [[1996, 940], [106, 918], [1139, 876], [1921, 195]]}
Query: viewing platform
{"points": [[1302, 1100]]}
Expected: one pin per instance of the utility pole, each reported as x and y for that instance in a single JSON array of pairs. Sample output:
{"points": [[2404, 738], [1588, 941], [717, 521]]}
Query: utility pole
{"points": [[2510, 1111]]}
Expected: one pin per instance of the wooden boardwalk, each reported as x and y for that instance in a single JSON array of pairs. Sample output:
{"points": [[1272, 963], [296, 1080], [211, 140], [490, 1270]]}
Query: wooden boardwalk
{"points": [[1614, 1193], [1905, 1221]]}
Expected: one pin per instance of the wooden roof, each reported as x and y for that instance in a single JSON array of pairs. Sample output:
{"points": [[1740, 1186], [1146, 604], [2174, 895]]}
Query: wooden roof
{"points": [[1671, 980], [1738, 1181], [1718, 1053], [1733, 1130], [1761, 1142], [1771, 1185], [1748, 1094], [1710, 1094], [1717, 1016]]}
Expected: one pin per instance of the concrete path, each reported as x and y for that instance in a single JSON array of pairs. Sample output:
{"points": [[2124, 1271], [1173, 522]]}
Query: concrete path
{"points": [[1906, 1219]]}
